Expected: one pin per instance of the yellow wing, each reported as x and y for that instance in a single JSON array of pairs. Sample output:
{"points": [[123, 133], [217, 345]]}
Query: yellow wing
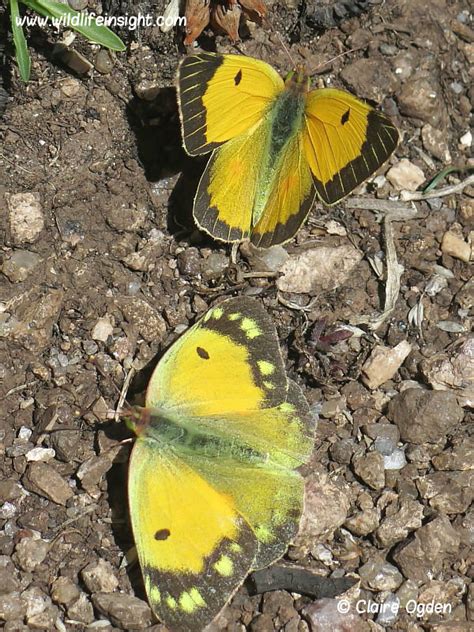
{"points": [[229, 362], [193, 547], [345, 141], [226, 193], [221, 97]]}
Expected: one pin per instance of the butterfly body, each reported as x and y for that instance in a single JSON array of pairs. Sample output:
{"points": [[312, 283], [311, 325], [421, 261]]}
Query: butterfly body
{"points": [[283, 119], [214, 490], [275, 144]]}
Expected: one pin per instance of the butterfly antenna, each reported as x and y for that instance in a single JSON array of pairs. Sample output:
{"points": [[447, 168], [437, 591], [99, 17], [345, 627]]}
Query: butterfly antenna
{"points": [[123, 393], [330, 61], [286, 49]]}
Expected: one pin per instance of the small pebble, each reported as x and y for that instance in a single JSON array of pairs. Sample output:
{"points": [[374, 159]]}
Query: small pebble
{"points": [[40, 454], [383, 363], [396, 460], [64, 591], [31, 552], [405, 176], [389, 609], [102, 329], [19, 265], [104, 62], [466, 139], [453, 244], [384, 445], [26, 217], [99, 576], [44, 480]]}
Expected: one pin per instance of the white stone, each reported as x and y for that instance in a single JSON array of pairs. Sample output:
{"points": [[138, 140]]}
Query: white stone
{"points": [[466, 139], [405, 176], [40, 454], [383, 363], [25, 216], [102, 329]]}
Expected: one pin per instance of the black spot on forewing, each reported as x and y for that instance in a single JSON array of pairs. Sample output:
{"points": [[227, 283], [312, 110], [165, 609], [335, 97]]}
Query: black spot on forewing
{"points": [[345, 117], [238, 78], [202, 353], [162, 534]]}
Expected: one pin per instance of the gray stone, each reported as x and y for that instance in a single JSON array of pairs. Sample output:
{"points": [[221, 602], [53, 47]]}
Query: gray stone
{"points": [[396, 526], [104, 61], [30, 552], [326, 508], [12, 607], [378, 574], [421, 97], [364, 522], [323, 615], [64, 591], [425, 555], [44, 480], [81, 610], [425, 415], [99, 576], [125, 611], [91, 472], [447, 492], [149, 323], [459, 457], [18, 265], [370, 468]]}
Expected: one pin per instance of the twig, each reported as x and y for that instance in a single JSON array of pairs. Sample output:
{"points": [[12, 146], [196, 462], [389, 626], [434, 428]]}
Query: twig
{"points": [[454, 188], [258, 275], [300, 308], [392, 285], [399, 211], [21, 387], [123, 393]]}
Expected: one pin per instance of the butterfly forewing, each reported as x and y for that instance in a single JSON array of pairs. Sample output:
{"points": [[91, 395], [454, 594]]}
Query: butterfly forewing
{"points": [[221, 97], [345, 141]]}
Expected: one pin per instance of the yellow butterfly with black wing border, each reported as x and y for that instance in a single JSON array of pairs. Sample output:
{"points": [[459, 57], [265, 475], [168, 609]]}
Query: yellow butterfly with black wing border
{"points": [[214, 489], [276, 145]]}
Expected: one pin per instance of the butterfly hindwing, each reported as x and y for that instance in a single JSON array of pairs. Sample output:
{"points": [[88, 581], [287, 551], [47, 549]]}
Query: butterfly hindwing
{"points": [[345, 141], [221, 97], [290, 200], [193, 547]]}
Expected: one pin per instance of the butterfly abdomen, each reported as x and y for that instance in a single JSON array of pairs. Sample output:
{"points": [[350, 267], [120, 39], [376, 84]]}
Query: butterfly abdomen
{"points": [[177, 435], [286, 114]]}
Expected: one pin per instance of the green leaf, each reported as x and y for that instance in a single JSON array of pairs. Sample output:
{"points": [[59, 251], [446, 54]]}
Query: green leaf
{"points": [[21, 49], [94, 32]]}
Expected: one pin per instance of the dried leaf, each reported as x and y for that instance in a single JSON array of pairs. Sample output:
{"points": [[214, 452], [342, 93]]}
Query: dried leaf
{"points": [[197, 15], [227, 20], [254, 7]]}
